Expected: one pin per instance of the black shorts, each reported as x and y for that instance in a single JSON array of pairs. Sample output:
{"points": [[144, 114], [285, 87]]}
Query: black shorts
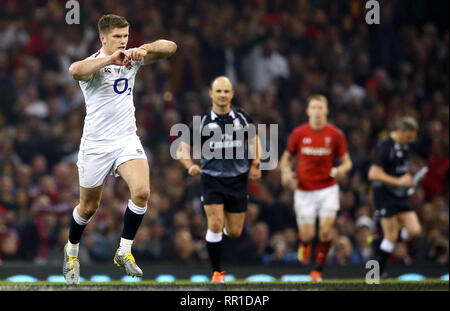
{"points": [[388, 205], [232, 192]]}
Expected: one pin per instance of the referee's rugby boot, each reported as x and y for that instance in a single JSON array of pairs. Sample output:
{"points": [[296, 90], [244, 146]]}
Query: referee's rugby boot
{"points": [[71, 268], [218, 277], [128, 263]]}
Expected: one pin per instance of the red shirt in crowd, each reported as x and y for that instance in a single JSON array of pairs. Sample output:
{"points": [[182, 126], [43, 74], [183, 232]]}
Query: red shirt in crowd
{"points": [[316, 151], [434, 181]]}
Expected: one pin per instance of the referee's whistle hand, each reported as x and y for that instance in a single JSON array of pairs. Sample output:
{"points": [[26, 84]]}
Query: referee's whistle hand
{"points": [[255, 173], [405, 180], [194, 170]]}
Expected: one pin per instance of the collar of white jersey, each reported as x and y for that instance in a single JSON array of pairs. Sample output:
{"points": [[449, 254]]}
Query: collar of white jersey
{"points": [[214, 115], [99, 53]]}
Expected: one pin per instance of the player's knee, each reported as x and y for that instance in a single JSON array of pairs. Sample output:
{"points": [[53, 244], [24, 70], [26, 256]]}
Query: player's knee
{"points": [[391, 237], [141, 195], [325, 235], [215, 225], [87, 209], [307, 237]]}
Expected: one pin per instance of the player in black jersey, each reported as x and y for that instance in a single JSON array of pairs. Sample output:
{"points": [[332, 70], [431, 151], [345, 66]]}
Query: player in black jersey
{"points": [[391, 181], [230, 157]]}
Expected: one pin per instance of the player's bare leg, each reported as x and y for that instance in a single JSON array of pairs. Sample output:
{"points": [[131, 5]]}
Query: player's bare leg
{"points": [[411, 230], [234, 223], [307, 232], [82, 214], [215, 219], [390, 227], [136, 174], [325, 237], [410, 222]]}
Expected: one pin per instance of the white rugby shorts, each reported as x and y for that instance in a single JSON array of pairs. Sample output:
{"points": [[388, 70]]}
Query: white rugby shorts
{"points": [[322, 203], [97, 161]]}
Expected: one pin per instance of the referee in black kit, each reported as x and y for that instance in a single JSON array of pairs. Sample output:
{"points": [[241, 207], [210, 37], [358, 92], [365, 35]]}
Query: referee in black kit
{"points": [[391, 181], [223, 178]]}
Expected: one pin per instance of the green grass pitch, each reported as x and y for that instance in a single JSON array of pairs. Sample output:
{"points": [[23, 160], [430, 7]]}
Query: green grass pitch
{"points": [[239, 285]]}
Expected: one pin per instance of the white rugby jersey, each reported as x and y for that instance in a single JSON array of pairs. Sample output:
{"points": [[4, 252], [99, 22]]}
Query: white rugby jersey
{"points": [[109, 102]]}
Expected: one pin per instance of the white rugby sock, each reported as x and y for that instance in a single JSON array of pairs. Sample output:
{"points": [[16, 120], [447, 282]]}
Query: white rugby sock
{"points": [[136, 209], [387, 246], [78, 219], [125, 246], [404, 235], [225, 231], [72, 249], [213, 237]]}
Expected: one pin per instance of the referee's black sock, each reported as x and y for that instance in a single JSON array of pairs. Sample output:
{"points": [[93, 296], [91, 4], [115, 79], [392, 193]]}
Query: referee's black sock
{"points": [[384, 252], [214, 248]]}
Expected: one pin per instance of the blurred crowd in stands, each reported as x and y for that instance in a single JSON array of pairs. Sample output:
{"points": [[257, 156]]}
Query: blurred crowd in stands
{"points": [[276, 53]]}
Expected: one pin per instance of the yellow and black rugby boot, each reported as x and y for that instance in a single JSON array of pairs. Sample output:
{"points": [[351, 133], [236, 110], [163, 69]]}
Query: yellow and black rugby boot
{"points": [[128, 263]]}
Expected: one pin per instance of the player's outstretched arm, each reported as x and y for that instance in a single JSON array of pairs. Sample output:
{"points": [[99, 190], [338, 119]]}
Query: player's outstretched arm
{"points": [[184, 156], [84, 69], [158, 50]]}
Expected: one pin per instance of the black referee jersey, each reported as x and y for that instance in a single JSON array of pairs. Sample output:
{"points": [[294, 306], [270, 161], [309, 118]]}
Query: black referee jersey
{"points": [[224, 142], [394, 159]]}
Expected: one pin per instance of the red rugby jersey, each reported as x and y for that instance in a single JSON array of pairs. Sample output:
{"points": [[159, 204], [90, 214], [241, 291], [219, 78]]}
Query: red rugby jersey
{"points": [[316, 151]]}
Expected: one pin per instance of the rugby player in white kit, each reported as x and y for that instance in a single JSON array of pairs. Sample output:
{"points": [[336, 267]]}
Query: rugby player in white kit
{"points": [[109, 144]]}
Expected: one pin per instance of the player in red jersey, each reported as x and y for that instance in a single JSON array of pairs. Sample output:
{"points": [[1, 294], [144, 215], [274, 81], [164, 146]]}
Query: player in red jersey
{"points": [[315, 143]]}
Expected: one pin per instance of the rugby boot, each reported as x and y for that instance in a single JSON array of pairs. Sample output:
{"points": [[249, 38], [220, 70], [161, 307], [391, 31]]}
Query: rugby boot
{"points": [[218, 277], [71, 268], [128, 263], [316, 276]]}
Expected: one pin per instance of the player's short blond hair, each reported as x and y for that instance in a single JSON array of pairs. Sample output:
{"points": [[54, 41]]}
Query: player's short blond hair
{"points": [[110, 21], [407, 124], [317, 97]]}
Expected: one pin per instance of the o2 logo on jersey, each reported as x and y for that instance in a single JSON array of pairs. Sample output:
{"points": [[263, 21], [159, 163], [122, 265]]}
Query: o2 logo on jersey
{"points": [[307, 140], [123, 88]]}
